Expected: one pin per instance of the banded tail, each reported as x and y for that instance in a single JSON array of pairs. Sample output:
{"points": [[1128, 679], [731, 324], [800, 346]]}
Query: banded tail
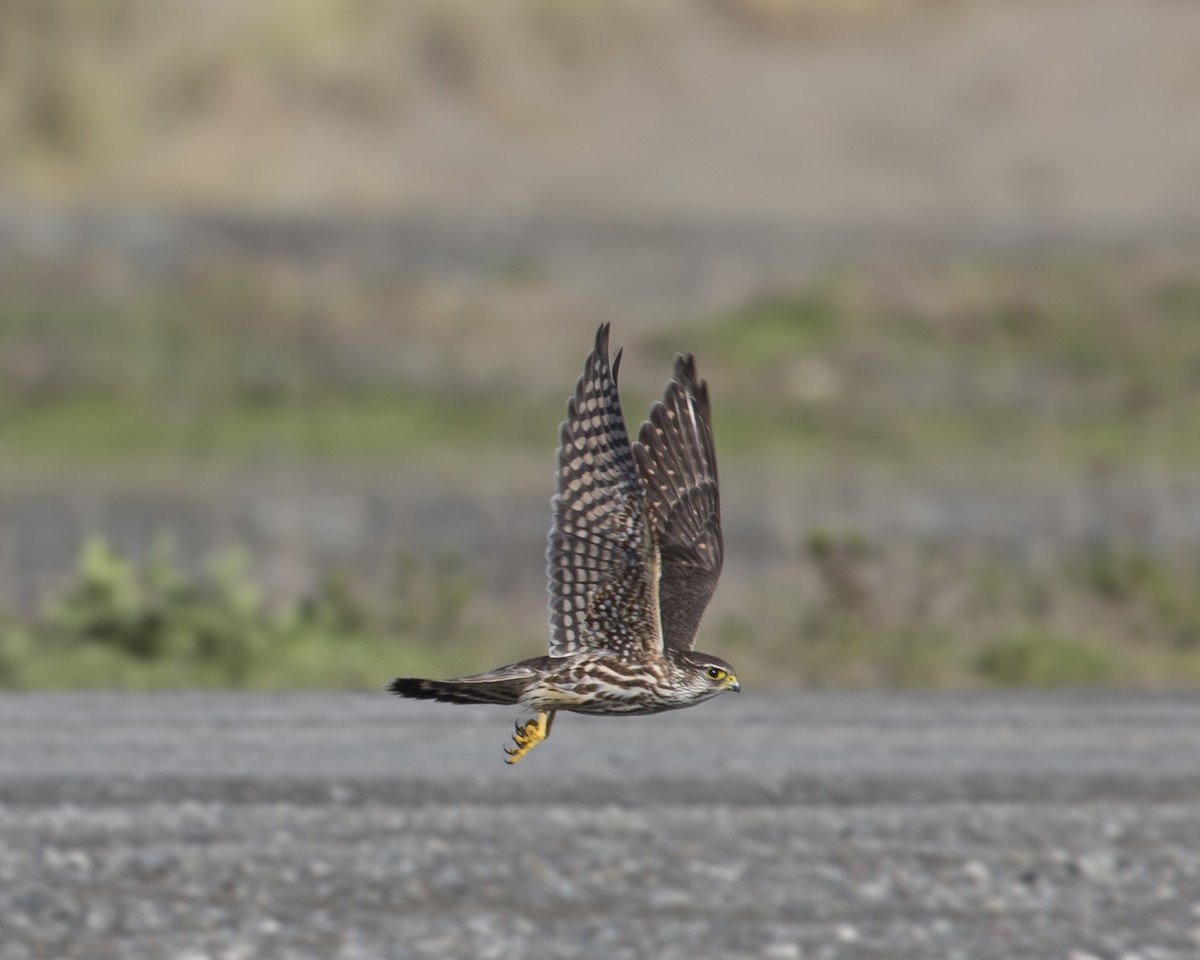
{"points": [[505, 685], [456, 691]]}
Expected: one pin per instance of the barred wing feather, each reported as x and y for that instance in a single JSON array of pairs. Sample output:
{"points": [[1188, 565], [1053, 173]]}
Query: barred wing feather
{"points": [[678, 466], [602, 560]]}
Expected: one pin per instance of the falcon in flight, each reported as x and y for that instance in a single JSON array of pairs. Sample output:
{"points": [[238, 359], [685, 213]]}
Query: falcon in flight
{"points": [[633, 558]]}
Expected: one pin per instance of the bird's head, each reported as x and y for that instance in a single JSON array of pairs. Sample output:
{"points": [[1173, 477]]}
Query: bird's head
{"points": [[703, 676]]}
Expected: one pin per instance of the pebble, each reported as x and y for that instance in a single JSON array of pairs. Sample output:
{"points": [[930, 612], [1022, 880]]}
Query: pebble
{"points": [[358, 863]]}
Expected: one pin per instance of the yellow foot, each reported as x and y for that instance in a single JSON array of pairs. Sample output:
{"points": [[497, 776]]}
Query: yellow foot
{"points": [[528, 735]]}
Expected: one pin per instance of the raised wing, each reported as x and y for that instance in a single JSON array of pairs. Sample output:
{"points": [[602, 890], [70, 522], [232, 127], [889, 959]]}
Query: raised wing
{"points": [[678, 465], [602, 562]]}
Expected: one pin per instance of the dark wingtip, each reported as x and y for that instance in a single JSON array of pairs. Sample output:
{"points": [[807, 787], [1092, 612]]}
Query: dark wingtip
{"points": [[685, 369], [685, 376], [600, 353]]}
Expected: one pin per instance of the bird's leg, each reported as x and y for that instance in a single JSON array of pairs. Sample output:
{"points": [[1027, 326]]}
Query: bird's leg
{"points": [[528, 735]]}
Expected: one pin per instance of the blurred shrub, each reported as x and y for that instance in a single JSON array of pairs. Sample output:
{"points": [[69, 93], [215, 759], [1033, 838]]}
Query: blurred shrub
{"points": [[150, 612], [869, 615], [1161, 598], [864, 617], [127, 624], [1038, 658]]}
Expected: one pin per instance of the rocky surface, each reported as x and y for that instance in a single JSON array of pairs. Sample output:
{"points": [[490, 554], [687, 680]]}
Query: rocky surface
{"points": [[351, 826]]}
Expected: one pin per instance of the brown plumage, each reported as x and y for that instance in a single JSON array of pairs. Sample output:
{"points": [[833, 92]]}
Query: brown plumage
{"points": [[633, 559]]}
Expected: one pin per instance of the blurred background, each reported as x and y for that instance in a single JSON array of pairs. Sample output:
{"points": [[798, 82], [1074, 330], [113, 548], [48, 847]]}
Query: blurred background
{"points": [[293, 293]]}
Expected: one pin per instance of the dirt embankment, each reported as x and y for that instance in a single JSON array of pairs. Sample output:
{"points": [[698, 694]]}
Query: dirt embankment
{"points": [[675, 147]]}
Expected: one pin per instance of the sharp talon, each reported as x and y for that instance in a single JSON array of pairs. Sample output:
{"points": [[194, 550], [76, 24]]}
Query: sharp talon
{"points": [[528, 735]]}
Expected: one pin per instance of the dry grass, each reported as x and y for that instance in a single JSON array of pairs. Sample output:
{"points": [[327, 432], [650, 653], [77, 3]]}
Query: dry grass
{"points": [[185, 102]]}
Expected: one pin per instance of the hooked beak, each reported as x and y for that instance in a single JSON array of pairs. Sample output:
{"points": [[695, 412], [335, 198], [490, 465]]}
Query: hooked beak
{"points": [[732, 684]]}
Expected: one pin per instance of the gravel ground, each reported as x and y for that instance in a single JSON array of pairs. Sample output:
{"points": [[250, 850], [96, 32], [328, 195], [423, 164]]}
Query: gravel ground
{"points": [[351, 826]]}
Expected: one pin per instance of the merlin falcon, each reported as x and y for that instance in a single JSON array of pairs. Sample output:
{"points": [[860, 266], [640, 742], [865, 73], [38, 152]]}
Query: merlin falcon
{"points": [[633, 559]]}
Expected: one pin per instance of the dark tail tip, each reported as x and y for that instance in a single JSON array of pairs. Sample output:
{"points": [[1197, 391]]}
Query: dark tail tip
{"points": [[409, 687]]}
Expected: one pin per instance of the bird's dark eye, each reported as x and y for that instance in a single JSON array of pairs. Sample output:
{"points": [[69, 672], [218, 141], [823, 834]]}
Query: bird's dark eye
{"points": [[716, 673]]}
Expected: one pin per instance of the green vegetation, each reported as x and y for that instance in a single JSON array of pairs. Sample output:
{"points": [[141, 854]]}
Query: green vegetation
{"points": [[859, 618], [134, 368], [1055, 365], [127, 625], [91, 374], [1059, 369], [913, 618], [1035, 658]]}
